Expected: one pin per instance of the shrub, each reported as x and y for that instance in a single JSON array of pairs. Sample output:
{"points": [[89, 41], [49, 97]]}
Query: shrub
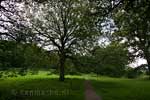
{"points": [[132, 73], [1, 74]]}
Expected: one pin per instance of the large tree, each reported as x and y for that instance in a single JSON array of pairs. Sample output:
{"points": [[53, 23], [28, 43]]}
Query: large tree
{"points": [[64, 25], [133, 23]]}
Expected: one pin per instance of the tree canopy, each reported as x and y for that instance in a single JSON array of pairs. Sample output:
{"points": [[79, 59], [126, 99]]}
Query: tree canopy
{"points": [[65, 25], [132, 21]]}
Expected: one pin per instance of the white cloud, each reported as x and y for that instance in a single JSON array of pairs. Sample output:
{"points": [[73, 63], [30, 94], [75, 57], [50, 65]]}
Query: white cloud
{"points": [[138, 62]]}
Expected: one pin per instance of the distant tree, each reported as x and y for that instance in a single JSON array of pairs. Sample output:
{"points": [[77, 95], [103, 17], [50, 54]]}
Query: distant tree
{"points": [[111, 60], [84, 63], [23, 56]]}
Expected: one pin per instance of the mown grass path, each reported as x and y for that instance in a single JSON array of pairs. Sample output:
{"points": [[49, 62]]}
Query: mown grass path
{"points": [[90, 94]]}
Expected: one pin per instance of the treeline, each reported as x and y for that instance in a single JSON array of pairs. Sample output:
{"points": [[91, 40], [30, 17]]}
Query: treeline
{"points": [[18, 58], [21, 56]]}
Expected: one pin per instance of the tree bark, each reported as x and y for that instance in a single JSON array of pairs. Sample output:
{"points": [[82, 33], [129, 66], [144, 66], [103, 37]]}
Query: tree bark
{"points": [[147, 57], [61, 67], [148, 65]]}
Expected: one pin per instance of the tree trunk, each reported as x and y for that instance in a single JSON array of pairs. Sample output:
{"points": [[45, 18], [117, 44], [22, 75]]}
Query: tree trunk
{"points": [[61, 67], [148, 64], [147, 56]]}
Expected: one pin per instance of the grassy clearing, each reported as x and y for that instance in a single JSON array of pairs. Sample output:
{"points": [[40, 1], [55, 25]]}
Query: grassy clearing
{"points": [[41, 87], [122, 89], [28, 88]]}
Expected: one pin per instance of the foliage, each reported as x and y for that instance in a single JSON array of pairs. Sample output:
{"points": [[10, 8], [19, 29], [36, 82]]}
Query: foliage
{"points": [[132, 20], [65, 26], [72, 29], [23, 56], [110, 60], [133, 72]]}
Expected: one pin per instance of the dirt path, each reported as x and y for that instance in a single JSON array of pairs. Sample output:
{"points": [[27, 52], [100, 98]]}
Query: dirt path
{"points": [[90, 94]]}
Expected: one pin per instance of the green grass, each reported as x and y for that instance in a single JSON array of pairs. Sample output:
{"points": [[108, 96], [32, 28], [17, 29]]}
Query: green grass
{"points": [[30, 87], [122, 89], [41, 87]]}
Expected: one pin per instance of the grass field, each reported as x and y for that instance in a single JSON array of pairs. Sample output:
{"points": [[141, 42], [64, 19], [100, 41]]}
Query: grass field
{"points": [[39, 87], [122, 89], [44, 87]]}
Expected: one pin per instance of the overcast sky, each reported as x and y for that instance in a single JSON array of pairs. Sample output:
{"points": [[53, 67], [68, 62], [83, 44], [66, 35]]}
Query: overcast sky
{"points": [[138, 62]]}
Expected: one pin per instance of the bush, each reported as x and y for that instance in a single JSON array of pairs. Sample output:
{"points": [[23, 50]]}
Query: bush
{"points": [[10, 73], [52, 71], [132, 73], [34, 72], [23, 72], [1, 74]]}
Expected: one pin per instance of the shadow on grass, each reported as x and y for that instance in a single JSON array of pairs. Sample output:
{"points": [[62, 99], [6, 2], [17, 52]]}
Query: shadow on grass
{"points": [[42, 89]]}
